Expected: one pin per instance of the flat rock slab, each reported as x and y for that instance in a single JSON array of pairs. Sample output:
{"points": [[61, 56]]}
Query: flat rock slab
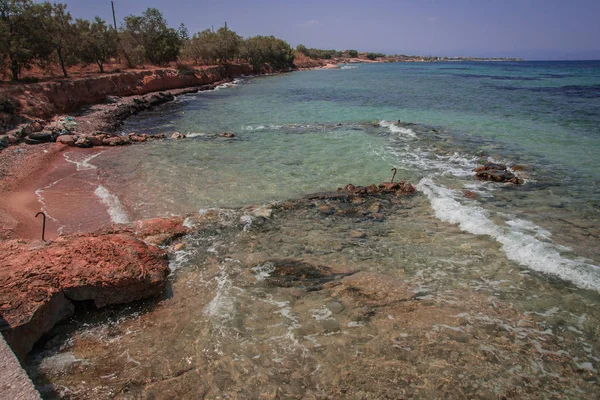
{"points": [[39, 280]]}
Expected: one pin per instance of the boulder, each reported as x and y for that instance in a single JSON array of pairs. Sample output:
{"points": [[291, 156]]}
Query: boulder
{"points": [[138, 138], [40, 280], [97, 139], [83, 142], [4, 141], [177, 135], [116, 141], [68, 140]]}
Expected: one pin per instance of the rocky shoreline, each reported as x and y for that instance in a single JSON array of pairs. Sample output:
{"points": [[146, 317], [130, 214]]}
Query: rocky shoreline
{"points": [[40, 281], [114, 265]]}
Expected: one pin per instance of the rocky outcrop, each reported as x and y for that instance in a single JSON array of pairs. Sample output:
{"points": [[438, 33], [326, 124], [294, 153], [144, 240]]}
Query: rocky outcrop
{"points": [[39, 281], [45, 99], [496, 173]]}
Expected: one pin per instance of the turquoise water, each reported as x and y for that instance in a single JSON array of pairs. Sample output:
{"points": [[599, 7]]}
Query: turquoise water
{"points": [[506, 283], [318, 130]]}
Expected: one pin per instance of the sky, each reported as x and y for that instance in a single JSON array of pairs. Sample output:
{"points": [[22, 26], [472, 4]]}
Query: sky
{"points": [[529, 29]]}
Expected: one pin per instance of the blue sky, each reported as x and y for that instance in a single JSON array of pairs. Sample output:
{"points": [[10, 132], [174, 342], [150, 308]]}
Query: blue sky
{"points": [[531, 29]]}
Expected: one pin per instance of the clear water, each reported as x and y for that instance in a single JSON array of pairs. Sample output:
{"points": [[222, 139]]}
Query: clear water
{"points": [[506, 285]]}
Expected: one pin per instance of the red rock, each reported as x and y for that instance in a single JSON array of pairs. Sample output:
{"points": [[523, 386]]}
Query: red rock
{"points": [[69, 140], [160, 230], [116, 141], [39, 280], [97, 140]]}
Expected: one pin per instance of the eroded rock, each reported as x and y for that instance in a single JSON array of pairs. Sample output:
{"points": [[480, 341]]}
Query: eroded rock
{"points": [[39, 280]]}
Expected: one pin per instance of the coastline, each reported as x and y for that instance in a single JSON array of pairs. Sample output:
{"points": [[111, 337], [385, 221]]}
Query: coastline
{"points": [[460, 324]]}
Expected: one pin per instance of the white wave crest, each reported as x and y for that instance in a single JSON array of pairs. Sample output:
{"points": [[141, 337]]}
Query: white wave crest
{"points": [[518, 246], [113, 205], [392, 127], [84, 164]]}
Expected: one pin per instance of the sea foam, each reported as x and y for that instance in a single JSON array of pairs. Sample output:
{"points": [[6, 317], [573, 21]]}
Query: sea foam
{"points": [[520, 247], [397, 129], [113, 205]]}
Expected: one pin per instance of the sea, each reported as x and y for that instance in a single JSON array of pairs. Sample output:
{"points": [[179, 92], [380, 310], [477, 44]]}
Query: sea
{"points": [[504, 279]]}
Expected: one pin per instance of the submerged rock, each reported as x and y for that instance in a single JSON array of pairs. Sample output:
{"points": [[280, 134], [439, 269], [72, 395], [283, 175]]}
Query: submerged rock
{"points": [[40, 280], [496, 173], [292, 273]]}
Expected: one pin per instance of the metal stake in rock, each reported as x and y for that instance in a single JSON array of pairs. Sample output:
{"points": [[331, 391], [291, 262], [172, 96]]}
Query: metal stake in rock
{"points": [[43, 224], [394, 171]]}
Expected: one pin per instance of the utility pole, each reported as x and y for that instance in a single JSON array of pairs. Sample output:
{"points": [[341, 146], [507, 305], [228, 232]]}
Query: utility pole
{"points": [[225, 24], [112, 3]]}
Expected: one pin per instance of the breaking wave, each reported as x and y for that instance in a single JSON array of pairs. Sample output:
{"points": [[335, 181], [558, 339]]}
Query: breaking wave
{"points": [[529, 250]]}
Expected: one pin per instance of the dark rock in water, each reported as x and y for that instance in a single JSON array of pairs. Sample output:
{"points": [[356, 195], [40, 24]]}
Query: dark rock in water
{"points": [[227, 135], [291, 273], [327, 210], [496, 173]]}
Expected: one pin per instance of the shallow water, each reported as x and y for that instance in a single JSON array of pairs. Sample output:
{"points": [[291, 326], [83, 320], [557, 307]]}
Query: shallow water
{"points": [[430, 295]]}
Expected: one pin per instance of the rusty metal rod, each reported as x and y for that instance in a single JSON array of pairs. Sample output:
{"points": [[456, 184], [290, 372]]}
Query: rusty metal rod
{"points": [[43, 224], [394, 171]]}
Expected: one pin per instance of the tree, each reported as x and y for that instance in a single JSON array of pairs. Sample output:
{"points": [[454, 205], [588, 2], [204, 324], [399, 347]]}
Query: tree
{"points": [[183, 33], [302, 49], [98, 42], [62, 33], [148, 37], [260, 50], [202, 46], [23, 38], [228, 44], [353, 53]]}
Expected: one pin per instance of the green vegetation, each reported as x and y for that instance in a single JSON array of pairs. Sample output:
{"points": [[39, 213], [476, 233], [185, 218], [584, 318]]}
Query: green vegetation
{"points": [[44, 34], [147, 37], [98, 42], [318, 53], [373, 56]]}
